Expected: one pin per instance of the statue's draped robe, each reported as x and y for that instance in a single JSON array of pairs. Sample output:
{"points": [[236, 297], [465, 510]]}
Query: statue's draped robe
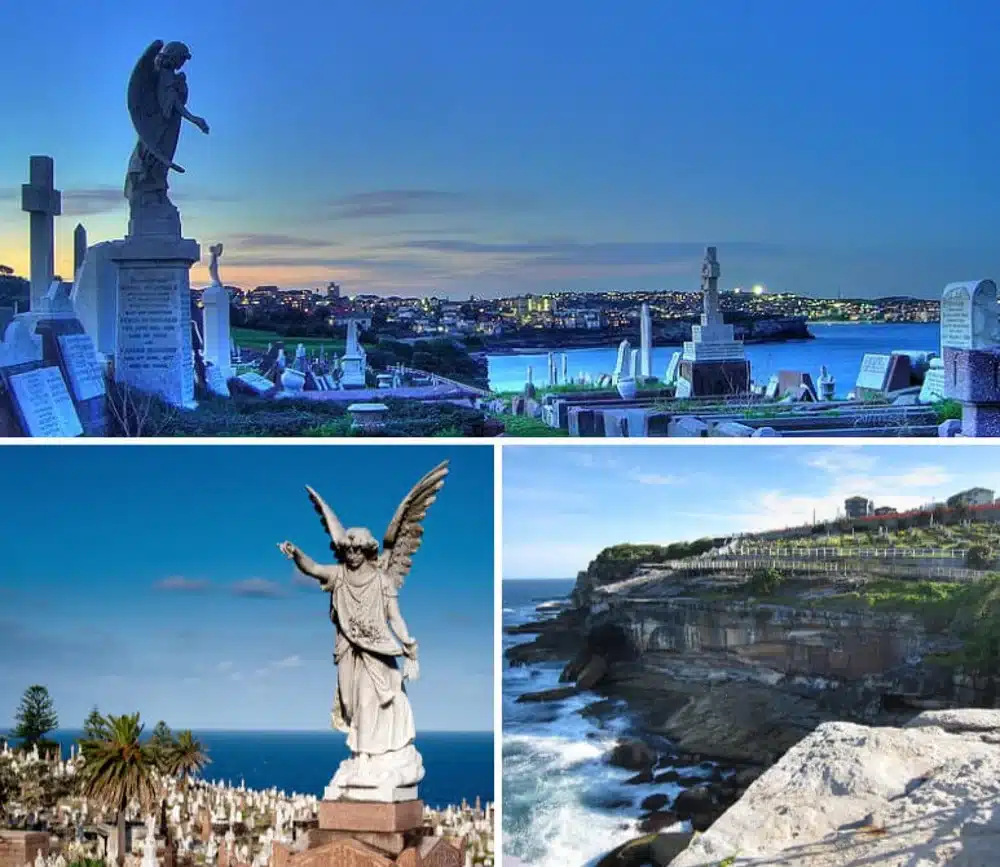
{"points": [[147, 175], [370, 705]]}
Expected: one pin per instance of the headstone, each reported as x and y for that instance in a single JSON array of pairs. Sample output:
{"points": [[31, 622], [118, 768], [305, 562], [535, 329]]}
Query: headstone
{"points": [[153, 350], [873, 375], [79, 248], [827, 385], [565, 368], [95, 296], [645, 342], [43, 202], [932, 389], [969, 315], [687, 426], [682, 389], [765, 432], [354, 361], [216, 333], [671, 375], [83, 368], [635, 364], [623, 362], [43, 404], [732, 429], [255, 384], [368, 416]]}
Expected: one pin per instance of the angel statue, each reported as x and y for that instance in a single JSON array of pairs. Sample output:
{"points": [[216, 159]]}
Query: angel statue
{"points": [[370, 704], [157, 102]]}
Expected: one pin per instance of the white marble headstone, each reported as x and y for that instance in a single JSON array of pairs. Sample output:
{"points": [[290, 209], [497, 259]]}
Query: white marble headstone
{"points": [[86, 376], [874, 371], [969, 315], [44, 404]]}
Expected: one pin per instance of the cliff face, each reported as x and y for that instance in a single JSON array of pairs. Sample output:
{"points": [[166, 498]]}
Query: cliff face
{"points": [[846, 794]]}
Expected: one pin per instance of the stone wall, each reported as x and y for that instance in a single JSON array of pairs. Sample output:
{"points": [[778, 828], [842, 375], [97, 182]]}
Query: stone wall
{"points": [[18, 848]]}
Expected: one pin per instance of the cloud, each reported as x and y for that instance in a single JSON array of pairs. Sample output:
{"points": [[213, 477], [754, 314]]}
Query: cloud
{"points": [[277, 241], [642, 478], [279, 665], [180, 584], [841, 459], [89, 201], [258, 588], [396, 203], [567, 252]]}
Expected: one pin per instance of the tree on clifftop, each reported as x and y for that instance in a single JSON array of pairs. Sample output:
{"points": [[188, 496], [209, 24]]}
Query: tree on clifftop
{"points": [[35, 717], [95, 726]]}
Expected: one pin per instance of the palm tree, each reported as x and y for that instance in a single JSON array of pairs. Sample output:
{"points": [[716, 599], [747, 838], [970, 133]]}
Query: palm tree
{"points": [[186, 757], [118, 769]]}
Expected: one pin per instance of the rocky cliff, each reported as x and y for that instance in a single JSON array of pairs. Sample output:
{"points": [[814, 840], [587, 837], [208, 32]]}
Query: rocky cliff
{"points": [[849, 795]]}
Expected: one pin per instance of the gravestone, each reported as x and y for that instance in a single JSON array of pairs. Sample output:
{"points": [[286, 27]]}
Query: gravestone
{"points": [[154, 352], [43, 202], [622, 363], [35, 401], [95, 296], [873, 375], [671, 375], [255, 384], [932, 389], [970, 354], [215, 319], [645, 370], [354, 360], [969, 315]]}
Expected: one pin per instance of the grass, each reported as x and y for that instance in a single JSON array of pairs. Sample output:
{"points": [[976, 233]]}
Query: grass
{"points": [[948, 409], [525, 426], [254, 338]]}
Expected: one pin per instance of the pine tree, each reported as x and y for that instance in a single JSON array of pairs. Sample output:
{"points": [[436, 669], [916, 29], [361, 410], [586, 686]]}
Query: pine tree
{"points": [[36, 716], [95, 726]]}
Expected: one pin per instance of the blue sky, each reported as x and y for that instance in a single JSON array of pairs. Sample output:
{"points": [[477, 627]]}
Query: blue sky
{"points": [[561, 506], [452, 147], [148, 578]]}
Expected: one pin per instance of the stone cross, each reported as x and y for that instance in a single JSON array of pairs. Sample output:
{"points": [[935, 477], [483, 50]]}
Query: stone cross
{"points": [[710, 287], [43, 201]]}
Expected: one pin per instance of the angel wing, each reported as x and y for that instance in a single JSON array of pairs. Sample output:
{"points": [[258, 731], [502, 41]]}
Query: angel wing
{"points": [[404, 535], [144, 104], [338, 536]]}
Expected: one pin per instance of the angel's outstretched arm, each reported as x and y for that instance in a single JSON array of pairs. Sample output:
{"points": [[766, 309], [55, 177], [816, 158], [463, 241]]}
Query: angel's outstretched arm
{"points": [[398, 626], [305, 564]]}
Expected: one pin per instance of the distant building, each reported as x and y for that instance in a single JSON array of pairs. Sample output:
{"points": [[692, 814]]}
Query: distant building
{"points": [[885, 510], [858, 507], [972, 497]]}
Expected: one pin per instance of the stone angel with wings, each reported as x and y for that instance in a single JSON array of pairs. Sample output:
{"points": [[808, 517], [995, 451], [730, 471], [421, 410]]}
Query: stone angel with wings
{"points": [[370, 704]]}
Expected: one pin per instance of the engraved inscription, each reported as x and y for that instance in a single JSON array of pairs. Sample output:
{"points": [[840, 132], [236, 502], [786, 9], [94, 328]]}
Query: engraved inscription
{"points": [[86, 377], [44, 404], [956, 318]]}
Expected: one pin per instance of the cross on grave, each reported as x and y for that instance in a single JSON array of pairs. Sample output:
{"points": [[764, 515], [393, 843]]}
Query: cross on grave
{"points": [[43, 201]]}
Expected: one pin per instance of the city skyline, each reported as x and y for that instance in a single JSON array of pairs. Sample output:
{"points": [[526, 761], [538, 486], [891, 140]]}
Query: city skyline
{"points": [[562, 507], [545, 148], [169, 596]]}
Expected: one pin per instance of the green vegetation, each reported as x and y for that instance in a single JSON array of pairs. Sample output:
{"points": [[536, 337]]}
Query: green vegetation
{"points": [[525, 426], [764, 582], [35, 717], [245, 416], [620, 561], [94, 726], [119, 769], [256, 338], [948, 409]]}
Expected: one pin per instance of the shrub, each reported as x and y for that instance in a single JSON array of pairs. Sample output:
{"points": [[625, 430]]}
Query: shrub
{"points": [[980, 557], [763, 582]]}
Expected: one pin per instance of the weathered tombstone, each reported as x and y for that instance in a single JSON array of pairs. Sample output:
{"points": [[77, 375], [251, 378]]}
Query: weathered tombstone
{"points": [[732, 429], [254, 384], [35, 400], [970, 355], [687, 426], [672, 366], [43, 202], [354, 361], [623, 362], [873, 375], [932, 389], [95, 296], [215, 320]]}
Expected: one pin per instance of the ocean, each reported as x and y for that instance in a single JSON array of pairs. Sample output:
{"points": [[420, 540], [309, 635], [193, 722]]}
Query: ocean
{"points": [[562, 805], [458, 764], [839, 346]]}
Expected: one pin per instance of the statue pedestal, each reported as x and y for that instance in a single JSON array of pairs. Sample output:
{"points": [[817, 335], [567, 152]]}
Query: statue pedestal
{"points": [[388, 828], [153, 351]]}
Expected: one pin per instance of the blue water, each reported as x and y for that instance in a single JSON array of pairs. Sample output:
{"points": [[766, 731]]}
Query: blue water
{"points": [[839, 347], [563, 806], [458, 764]]}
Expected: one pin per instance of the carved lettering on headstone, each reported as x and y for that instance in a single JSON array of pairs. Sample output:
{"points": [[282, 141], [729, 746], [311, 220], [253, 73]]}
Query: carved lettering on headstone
{"points": [[44, 404], [86, 377]]}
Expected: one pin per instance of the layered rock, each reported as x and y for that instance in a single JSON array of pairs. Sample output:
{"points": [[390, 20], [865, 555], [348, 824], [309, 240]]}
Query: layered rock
{"points": [[927, 793]]}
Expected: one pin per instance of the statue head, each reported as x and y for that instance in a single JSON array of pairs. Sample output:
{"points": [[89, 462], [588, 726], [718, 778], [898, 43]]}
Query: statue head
{"points": [[173, 55], [360, 545]]}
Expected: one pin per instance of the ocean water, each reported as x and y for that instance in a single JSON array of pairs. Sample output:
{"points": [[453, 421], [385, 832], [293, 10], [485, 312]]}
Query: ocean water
{"points": [[458, 764], [563, 806], [840, 347]]}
